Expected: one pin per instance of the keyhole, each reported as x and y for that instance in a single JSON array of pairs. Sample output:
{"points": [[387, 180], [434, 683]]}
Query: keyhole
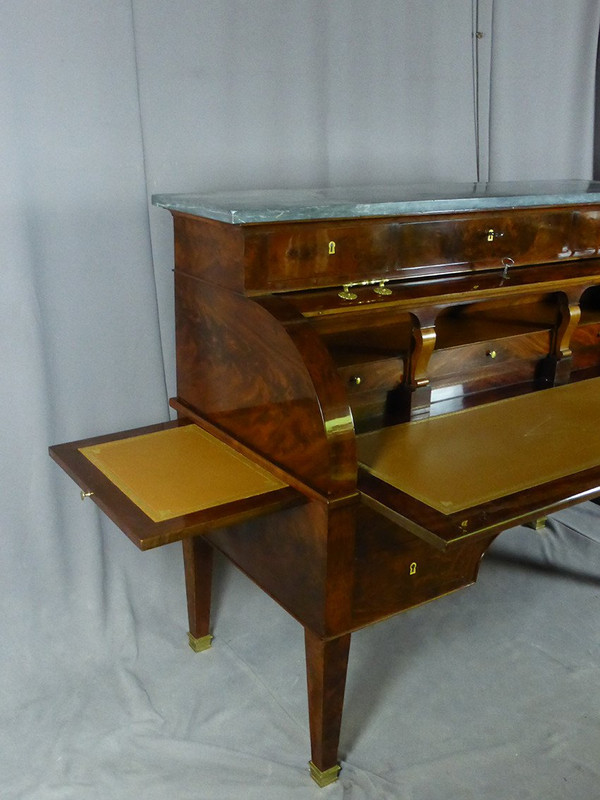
{"points": [[413, 568]]}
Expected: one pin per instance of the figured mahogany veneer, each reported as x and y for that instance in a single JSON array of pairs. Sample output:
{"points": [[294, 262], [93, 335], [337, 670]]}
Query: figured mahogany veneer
{"points": [[409, 385], [295, 255]]}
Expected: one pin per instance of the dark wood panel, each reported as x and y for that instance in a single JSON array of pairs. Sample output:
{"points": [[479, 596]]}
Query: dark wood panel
{"points": [[399, 570], [303, 559], [585, 237], [210, 250], [585, 345], [297, 255], [275, 388], [489, 364], [366, 377]]}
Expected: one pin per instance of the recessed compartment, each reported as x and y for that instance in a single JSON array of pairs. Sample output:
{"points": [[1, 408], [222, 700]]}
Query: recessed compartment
{"points": [[370, 352], [491, 346]]}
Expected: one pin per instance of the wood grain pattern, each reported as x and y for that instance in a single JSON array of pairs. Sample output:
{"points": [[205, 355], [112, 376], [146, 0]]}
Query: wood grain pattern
{"points": [[296, 255], [270, 384]]}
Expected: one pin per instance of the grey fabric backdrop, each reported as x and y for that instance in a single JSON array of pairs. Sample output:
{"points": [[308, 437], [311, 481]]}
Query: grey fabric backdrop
{"points": [[489, 694]]}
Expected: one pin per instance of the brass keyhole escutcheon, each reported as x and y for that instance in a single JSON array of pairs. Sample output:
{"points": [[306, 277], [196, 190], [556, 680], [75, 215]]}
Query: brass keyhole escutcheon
{"points": [[413, 568], [331, 248], [490, 236]]}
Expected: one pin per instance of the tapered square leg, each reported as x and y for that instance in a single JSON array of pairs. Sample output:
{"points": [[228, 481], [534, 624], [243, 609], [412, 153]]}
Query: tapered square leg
{"points": [[326, 667], [198, 563]]}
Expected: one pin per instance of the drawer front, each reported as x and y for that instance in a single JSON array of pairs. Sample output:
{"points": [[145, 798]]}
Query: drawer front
{"points": [[525, 238], [585, 345], [290, 256], [585, 239], [400, 571], [373, 376], [301, 255], [484, 365]]}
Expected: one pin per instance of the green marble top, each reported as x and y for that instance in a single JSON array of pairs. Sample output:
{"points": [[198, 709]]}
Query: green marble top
{"points": [[279, 205]]}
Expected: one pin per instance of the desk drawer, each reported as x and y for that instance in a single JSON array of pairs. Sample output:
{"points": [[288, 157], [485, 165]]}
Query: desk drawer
{"points": [[585, 239], [296, 255], [373, 376], [585, 345], [483, 365]]}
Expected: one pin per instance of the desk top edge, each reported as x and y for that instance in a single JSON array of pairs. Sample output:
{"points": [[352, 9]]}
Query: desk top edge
{"points": [[288, 205]]}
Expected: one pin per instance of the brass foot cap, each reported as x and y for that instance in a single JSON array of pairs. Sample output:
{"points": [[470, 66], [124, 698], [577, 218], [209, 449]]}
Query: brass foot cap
{"points": [[538, 524], [200, 644], [324, 778]]}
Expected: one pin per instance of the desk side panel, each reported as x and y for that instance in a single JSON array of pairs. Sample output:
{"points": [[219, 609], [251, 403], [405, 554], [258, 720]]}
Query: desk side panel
{"points": [[267, 381]]}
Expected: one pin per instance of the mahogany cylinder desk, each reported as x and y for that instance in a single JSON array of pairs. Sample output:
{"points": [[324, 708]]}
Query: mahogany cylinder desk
{"points": [[372, 384]]}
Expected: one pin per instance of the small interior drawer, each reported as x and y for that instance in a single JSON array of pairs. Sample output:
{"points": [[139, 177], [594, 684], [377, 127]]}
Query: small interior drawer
{"points": [[373, 376], [519, 353]]}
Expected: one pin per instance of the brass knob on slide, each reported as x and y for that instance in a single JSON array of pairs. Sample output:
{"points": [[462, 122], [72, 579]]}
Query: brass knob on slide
{"points": [[491, 353], [355, 380], [382, 289], [346, 294], [83, 494]]}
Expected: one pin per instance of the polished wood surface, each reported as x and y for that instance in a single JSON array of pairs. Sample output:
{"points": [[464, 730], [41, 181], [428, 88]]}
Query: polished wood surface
{"points": [[198, 569], [326, 665], [315, 348], [261, 258], [265, 376]]}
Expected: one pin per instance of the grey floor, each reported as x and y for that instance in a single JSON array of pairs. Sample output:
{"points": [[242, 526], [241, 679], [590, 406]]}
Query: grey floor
{"points": [[493, 692]]}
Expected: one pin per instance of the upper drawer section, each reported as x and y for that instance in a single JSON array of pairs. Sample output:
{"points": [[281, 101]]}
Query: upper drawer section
{"points": [[301, 255]]}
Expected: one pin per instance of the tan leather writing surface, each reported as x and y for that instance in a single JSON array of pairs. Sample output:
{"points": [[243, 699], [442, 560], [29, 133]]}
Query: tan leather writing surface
{"points": [[460, 460], [177, 471]]}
